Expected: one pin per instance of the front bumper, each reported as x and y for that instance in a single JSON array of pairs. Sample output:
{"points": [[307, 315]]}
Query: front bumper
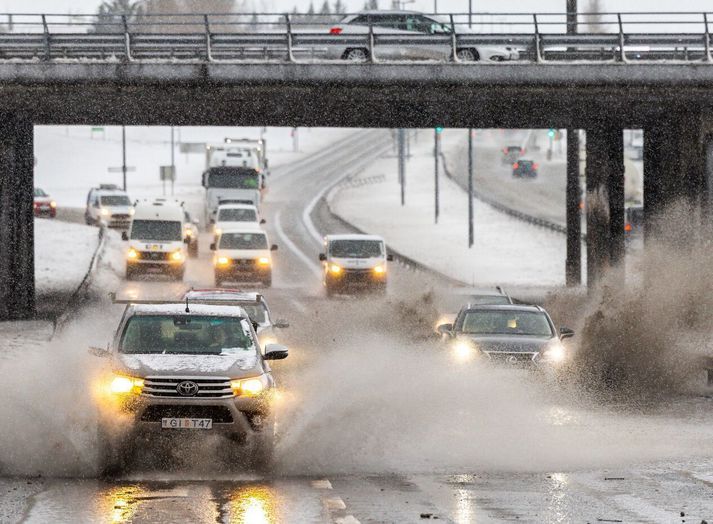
{"points": [[354, 279], [243, 270], [45, 211]]}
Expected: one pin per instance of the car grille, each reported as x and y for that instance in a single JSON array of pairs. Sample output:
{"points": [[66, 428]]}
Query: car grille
{"points": [[120, 217], [508, 357], [166, 387], [356, 275], [219, 414], [243, 263], [153, 255]]}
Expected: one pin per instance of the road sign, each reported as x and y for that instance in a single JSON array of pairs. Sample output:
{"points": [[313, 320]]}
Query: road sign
{"points": [[129, 169], [168, 173], [192, 147]]}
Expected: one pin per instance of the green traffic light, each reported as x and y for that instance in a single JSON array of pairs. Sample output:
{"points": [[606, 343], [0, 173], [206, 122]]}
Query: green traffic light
{"points": [[551, 133], [439, 130]]}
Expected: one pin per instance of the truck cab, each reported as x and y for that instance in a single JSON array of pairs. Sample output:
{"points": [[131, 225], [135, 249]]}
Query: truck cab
{"points": [[354, 262], [236, 184], [156, 240]]}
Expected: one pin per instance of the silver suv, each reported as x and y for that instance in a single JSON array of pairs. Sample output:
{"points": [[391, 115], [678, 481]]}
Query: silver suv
{"points": [[186, 368]]}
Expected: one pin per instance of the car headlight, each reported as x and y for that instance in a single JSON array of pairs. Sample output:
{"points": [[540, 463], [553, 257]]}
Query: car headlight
{"points": [[132, 254], [53, 204], [555, 352], [104, 212], [464, 350], [379, 270], [249, 387], [177, 256], [217, 230], [263, 261], [222, 261], [123, 385], [131, 212], [335, 269], [188, 233]]}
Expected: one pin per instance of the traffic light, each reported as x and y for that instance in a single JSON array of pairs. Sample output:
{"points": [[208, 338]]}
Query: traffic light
{"points": [[551, 133], [439, 130]]}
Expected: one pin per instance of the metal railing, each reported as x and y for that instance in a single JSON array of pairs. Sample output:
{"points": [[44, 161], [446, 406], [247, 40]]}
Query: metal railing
{"points": [[457, 37]]}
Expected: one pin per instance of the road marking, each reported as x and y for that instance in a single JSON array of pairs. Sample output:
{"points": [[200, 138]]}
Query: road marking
{"points": [[292, 247], [335, 504], [349, 519], [321, 484], [303, 309]]}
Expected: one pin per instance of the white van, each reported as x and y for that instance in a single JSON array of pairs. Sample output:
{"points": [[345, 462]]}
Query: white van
{"points": [[156, 240], [109, 206], [352, 262], [243, 254], [235, 215]]}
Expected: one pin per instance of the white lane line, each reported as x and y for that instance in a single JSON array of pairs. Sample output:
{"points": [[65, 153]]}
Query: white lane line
{"points": [[349, 519], [321, 484], [291, 245], [307, 214], [335, 504]]}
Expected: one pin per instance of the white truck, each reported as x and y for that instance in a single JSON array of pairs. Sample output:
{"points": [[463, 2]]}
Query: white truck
{"points": [[229, 184]]}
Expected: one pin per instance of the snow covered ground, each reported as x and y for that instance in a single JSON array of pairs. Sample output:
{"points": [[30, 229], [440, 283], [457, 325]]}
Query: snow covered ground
{"points": [[72, 159], [506, 250]]}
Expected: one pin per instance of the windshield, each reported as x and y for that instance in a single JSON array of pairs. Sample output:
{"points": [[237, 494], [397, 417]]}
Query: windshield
{"points": [[156, 230], [40, 193], [243, 241], [237, 215], [184, 335], [492, 322], [115, 200], [355, 248], [233, 178]]}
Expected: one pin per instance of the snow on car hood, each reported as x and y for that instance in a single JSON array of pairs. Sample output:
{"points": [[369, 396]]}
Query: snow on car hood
{"points": [[357, 263], [240, 364]]}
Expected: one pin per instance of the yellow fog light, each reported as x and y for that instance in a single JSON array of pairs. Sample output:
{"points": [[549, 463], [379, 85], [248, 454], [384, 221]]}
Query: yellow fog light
{"points": [[263, 261], [176, 256], [379, 270], [132, 254], [121, 385], [222, 261], [105, 212], [249, 387], [335, 269]]}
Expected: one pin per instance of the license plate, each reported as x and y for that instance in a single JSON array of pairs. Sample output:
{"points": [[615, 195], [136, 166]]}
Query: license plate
{"points": [[187, 423]]}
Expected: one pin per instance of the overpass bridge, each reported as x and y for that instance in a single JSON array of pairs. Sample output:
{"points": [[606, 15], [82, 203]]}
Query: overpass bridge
{"points": [[647, 71]]}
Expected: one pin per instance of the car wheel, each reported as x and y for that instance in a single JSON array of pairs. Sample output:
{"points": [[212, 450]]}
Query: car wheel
{"points": [[467, 55], [112, 455], [263, 451], [130, 273], [193, 249], [356, 55]]}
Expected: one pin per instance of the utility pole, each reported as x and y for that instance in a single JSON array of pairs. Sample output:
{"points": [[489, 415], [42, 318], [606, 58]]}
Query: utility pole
{"points": [[173, 159], [402, 164], [436, 150], [435, 6], [471, 235], [573, 262], [123, 155], [470, 17]]}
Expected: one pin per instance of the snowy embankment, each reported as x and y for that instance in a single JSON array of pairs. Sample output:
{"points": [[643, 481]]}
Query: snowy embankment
{"points": [[506, 250]]}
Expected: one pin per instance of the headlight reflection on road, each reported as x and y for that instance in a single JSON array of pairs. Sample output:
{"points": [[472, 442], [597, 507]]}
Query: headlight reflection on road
{"points": [[253, 505], [119, 504]]}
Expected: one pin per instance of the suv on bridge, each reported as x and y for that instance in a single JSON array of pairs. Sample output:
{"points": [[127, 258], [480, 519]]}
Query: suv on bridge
{"points": [[181, 368]]}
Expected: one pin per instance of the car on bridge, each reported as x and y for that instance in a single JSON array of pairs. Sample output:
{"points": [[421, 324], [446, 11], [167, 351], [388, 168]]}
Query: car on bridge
{"points": [[408, 35], [254, 304], [524, 169], [182, 368], [354, 262], [513, 335], [43, 205], [242, 254]]}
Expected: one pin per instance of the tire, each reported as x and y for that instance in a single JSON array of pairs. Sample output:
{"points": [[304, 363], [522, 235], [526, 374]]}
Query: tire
{"points": [[193, 249], [267, 282], [112, 455], [178, 275], [263, 450], [130, 273], [467, 55], [357, 54]]}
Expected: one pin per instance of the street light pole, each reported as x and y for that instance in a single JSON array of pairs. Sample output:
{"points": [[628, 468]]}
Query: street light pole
{"points": [[436, 151], [402, 163], [173, 159], [470, 13], [435, 6], [123, 155], [471, 236]]}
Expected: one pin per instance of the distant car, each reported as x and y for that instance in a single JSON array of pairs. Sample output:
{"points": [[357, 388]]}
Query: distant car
{"points": [[514, 335], [43, 205], [354, 262], [230, 214], [253, 303], [402, 23], [453, 300], [110, 206], [511, 154], [524, 169], [243, 254], [190, 231], [634, 221]]}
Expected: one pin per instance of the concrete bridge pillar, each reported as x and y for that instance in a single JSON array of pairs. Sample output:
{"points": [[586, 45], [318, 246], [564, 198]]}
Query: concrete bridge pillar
{"points": [[604, 201], [17, 258], [675, 185]]}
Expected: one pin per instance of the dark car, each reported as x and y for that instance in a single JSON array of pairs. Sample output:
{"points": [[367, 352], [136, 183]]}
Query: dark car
{"points": [[524, 169], [511, 154], [634, 221], [43, 205], [515, 335]]}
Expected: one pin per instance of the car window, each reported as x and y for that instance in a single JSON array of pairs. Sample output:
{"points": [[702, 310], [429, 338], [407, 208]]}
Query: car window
{"points": [[194, 335], [243, 241], [237, 215], [39, 192], [389, 21], [435, 27], [156, 230], [356, 248], [505, 322], [359, 20]]}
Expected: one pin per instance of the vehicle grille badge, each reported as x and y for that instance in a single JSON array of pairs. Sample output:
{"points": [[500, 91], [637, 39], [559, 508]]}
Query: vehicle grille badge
{"points": [[187, 388]]}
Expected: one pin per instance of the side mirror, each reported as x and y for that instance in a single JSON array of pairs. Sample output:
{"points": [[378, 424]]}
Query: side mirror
{"points": [[213, 247], [255, 325], [322, 257], [99, 352], [389, 258], [445, 329], [275, 352], [281, 323], [566, 332], [124, 236], [187, 240], [273, 247], [263, 221], [212, 220]]}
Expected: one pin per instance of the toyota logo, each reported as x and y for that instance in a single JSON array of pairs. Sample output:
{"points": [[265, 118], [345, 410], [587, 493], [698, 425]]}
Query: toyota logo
{"points": [[187, 388], [512, 359]]}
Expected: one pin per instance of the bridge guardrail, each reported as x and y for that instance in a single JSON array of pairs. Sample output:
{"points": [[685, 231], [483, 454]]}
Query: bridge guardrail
{"points": [[526, 37]]}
